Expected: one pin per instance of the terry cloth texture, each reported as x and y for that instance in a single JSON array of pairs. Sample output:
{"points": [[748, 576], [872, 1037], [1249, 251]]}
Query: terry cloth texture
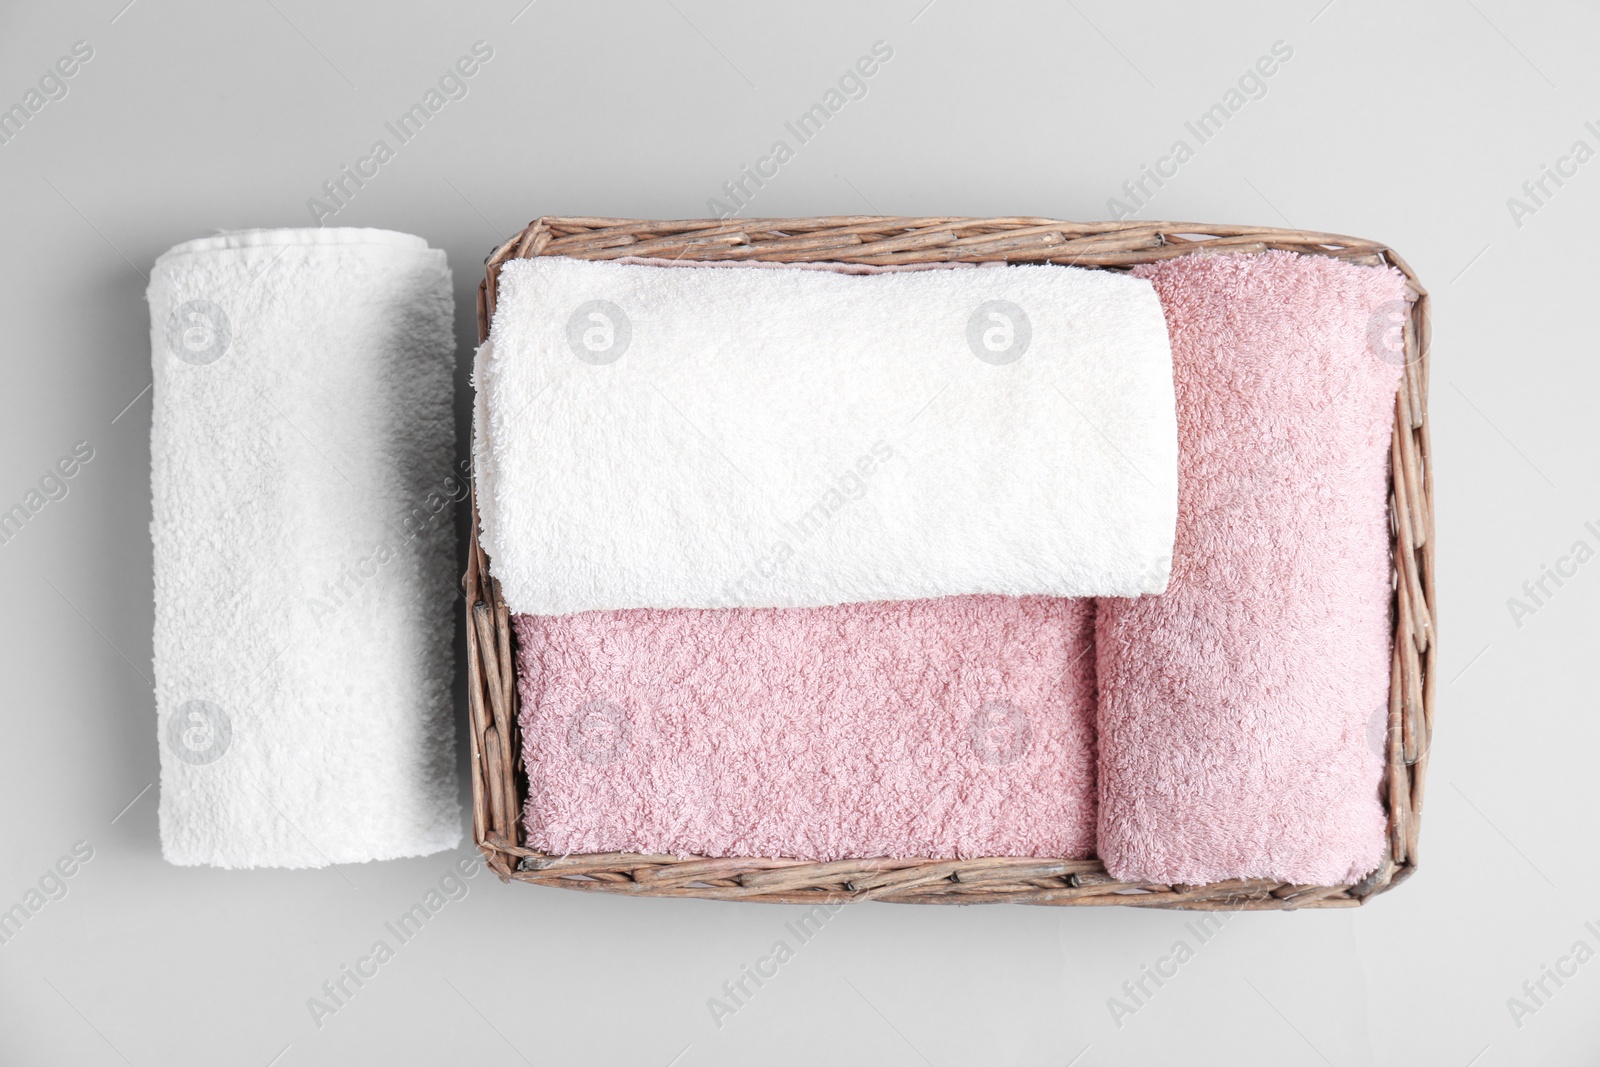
{"points": [[1235, 709], [303, 487], [943, 728], [697, 438]]}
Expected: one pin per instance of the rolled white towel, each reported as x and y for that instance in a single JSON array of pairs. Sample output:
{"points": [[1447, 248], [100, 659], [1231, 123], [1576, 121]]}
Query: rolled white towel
{"points": [[668, 437], [301, 455]]}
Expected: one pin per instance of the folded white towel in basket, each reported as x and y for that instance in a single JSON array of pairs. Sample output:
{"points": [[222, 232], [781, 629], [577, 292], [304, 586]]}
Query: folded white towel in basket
{"points": [[652, 436], [302, 482]]}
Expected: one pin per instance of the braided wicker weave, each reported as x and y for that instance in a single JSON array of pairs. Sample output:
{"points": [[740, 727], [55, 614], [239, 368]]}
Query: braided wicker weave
{"points": [[498, 782]]}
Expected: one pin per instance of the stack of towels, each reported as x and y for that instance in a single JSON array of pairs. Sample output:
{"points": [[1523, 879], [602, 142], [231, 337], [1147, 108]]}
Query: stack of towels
{"points": [[947, 562]]}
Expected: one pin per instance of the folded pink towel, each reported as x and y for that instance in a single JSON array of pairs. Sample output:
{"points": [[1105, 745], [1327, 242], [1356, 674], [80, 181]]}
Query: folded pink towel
{"points": [[1234, 709], [956, 727]]}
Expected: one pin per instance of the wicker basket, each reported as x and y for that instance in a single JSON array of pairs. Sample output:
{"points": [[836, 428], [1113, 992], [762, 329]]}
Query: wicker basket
{"points": [[498, 780]]}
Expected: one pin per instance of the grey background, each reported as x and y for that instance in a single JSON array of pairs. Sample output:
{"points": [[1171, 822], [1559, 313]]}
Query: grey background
{"points": [[1413, 125]]}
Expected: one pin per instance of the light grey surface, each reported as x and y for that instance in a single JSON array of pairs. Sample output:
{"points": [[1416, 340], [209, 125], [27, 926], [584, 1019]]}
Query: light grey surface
{"points": [[1413, 126]]}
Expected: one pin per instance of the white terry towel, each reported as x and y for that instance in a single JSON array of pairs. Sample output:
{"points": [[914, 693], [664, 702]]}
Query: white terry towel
{"points": [[670, 437], [301, 455]]}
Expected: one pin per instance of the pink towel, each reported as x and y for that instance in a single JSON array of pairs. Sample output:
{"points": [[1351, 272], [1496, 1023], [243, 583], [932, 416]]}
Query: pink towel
{"points": [[1234, 709], [956, 727]]}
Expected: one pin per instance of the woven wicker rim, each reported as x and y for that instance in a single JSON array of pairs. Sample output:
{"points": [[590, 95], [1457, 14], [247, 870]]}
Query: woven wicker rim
{"points": [[499, 783]]}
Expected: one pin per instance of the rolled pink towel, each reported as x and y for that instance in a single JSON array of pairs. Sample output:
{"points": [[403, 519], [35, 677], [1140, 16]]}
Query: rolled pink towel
{"points": [[1235, 708], [947, 728]]}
